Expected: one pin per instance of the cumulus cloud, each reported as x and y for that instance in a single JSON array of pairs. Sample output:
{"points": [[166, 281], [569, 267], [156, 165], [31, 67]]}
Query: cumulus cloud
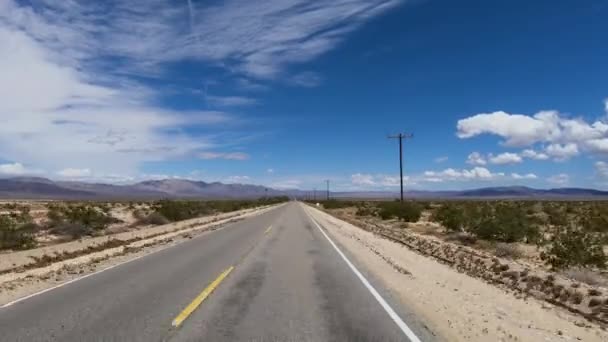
{"points": [[565, 137], [532, 154], [517, 129], [476, 173], [368, 180], [559, 179], [562, 152], [476, 158], [505, 158], [224, 155], [441, 159], [526, 176]]}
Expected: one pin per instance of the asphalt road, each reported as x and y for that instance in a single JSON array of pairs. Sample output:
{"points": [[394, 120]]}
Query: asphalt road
{"points": [[276, 277]]}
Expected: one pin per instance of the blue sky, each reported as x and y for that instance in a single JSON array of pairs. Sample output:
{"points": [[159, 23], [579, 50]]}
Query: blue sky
{"points": [[288, 93]]}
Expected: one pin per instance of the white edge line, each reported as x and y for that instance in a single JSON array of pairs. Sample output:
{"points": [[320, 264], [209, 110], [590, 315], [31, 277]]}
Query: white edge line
{"points": [[389, 310], [94, 273], [77, 279]]}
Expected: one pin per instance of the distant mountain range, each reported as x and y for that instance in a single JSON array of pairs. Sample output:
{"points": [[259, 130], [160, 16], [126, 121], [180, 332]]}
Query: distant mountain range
{"points": [[42, 188]]}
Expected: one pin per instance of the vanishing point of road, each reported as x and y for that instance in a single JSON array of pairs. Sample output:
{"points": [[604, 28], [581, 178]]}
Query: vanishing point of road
{"points": [[277, 276]]}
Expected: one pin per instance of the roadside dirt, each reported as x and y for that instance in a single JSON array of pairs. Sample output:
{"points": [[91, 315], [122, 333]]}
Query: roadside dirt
{"points": [[457, 306], [22, 273]]}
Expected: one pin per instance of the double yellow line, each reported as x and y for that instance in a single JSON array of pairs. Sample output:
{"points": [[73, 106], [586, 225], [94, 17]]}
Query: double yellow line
{"points": [[203, 295]]}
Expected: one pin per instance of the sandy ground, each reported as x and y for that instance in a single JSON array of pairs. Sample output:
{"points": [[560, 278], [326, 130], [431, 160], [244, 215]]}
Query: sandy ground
{"points": [[12, 260], [14, 285], [458, 307]]}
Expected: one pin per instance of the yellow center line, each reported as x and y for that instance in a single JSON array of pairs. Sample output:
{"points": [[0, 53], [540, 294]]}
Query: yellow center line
{"points": [[200, 298], [268, 230]]}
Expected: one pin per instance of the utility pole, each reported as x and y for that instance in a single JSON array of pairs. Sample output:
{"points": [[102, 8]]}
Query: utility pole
{"points": [[401, 136], [315, 192], [327, 180]]}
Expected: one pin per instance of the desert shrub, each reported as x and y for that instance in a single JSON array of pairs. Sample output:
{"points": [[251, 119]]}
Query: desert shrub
{"points": [[505, 223], [462, 237], [506, 250], [336, 204], [77, 220], [73, 230], [178, 210], [154, 218], [572, 246], [450, 216], [17, 231], [365, 211], [585, 275], [181, 210], [407, 211]]}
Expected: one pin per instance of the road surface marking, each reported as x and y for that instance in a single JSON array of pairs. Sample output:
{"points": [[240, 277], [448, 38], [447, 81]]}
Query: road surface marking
{"points": [[204, 233], [200, 298], [268, 230], [389, 310]]}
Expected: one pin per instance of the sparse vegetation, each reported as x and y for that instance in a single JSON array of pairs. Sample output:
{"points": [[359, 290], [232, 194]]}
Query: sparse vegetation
{"points": [[52, 222], [567, 233], [572, 245], [507, 250], [407, 211], [17, 231]]}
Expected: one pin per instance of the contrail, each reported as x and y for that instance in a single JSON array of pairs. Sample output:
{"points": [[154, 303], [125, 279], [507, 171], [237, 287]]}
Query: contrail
{"points": [[191, 10]]}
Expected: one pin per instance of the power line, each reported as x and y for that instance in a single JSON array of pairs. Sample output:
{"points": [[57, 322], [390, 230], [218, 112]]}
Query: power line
{"points": [[401, 136]]}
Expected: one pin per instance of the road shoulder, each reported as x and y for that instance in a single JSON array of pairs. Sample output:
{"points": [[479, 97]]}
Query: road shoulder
{"points": [[455, 305]]}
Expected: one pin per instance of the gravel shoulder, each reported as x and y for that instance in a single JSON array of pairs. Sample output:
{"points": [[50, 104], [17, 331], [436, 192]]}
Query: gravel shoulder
{"points": [[457, 306]]}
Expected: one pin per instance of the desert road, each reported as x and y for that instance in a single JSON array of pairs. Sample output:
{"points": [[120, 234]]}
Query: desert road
{"points": [[277, 276]]}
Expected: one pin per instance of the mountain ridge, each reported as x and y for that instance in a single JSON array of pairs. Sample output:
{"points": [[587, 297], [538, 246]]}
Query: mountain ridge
{"points": [[43, 188]]}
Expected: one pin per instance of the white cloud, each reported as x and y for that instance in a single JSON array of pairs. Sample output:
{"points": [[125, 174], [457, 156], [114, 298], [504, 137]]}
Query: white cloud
{"points": [[237, 179], [270, 171], [517, 129], [476, 173], [12, 169], [505, 158], [306, 79], [75, 173], [441, 159], [559, 179], [606, 106], [476, 158], [532, 154], [565, 136], [224, 155], [562, 152], [287, 184], [69, 98], [379, 180], [362, 179], [601, 169], [251, 37], [230, 101], [526, 176]]}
